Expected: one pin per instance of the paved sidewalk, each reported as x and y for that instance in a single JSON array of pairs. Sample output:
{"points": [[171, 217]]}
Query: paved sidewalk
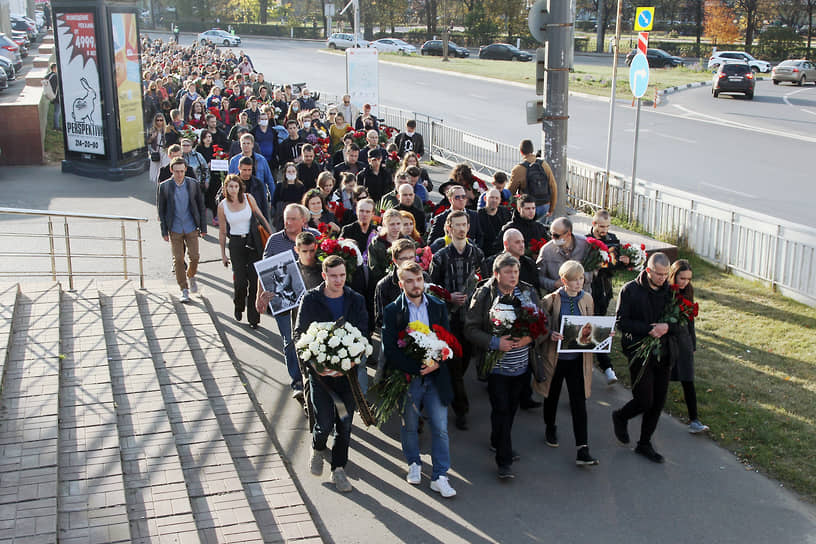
{"points": [[702, 493]]}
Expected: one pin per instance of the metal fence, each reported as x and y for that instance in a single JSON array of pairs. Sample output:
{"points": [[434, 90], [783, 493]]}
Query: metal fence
{"points": [[73, 244], [747, 243]]}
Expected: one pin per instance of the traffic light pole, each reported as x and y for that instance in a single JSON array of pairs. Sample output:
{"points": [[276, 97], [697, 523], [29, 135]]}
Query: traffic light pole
{"points": [[612, 104], [559, 53]]}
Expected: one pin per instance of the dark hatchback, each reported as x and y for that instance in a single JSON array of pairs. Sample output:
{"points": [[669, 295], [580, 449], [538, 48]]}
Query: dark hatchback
{"points": [[503, 51], [657, 58], [734, 77], [434, 48]]}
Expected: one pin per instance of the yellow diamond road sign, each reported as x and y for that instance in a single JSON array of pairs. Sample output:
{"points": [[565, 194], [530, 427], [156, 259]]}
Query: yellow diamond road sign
{"points": [[644, 18]]}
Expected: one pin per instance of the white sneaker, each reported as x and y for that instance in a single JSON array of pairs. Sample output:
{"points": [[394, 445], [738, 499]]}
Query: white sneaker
{"points": [[414, 476], [341, 480], [193, 285], [443, 487], [610, 376], [185, 295], [316, 463]]}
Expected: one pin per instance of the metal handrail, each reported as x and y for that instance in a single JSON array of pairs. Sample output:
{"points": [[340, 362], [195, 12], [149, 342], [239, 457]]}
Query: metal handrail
{"points": [[69, 254]]}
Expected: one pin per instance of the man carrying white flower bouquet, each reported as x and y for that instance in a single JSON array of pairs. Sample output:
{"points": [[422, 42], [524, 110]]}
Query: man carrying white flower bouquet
{"points": [[332, 401], [507, 376], [430, 383]]}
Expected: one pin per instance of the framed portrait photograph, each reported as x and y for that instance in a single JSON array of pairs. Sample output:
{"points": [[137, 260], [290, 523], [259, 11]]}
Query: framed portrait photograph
{"points": [[280, 275], [586, 334]]}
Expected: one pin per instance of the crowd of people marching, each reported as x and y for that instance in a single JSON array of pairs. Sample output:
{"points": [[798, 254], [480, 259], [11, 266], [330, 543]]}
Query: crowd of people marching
{"points": [[381, 275]]}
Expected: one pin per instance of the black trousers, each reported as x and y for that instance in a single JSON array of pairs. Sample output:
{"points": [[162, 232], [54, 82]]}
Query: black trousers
{"points": [[571, 371], [327, 418], [244, 277], [458, 367], [648, 396], [504, 393], [690, 394]]}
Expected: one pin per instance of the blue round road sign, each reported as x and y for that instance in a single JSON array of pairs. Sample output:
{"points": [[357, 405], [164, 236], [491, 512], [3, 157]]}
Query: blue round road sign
{"points": [[645, 19], [639, 75]]}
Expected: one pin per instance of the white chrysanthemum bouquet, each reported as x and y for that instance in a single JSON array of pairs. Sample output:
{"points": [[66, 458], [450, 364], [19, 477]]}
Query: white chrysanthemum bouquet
{"points": [[337, 346]]}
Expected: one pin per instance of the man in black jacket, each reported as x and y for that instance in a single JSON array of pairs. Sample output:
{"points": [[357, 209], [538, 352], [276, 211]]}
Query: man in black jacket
{"points": [[183, 220], [289, 150], [410, 140], [376, 178], [641, 308], [253, 185], [524, 220], [351, 162], [330, 301], [309, 169], [491, 220], [458, 199]]}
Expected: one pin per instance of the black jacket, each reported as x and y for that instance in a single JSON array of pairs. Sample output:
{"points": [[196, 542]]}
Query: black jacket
{"points": [[345, 167], [638, 307], [530, 228], [166, 204], [602, 282], [313, 307], [407, 143], [377, 184], [308, 174], [528, 271], [491, 227], [395, 319]]}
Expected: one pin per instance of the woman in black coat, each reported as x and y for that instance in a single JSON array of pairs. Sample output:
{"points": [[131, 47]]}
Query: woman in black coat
{"points": [[686, 344]]}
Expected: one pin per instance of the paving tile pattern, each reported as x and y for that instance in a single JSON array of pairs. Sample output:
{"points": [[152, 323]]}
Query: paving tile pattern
{"points": [[123, 419], [28, 420]]}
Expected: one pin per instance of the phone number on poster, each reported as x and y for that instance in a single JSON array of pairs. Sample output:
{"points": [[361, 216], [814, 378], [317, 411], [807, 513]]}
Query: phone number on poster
{"points": [[86, 144]]}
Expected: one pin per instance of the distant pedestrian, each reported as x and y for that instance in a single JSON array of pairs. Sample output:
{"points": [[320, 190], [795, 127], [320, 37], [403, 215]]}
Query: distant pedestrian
{"points": [[53, 81], [535, 177], [410, 140]]}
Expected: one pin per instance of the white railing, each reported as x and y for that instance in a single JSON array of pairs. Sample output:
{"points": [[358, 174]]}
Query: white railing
{"points": [[747, 243]]}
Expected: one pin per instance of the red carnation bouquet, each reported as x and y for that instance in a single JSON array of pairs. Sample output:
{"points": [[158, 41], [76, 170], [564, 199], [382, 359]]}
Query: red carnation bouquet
{"points": [[346, 249], [597, 256], [337, 209], [534, 247], [392, 161], [424, 256], [386, 133], [437, 290], [679, 310], [421, 343]]}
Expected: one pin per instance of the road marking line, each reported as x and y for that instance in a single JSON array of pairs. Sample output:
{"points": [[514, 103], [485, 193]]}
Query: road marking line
{"points": [[703, 118], [727, 190], [678, 138]]}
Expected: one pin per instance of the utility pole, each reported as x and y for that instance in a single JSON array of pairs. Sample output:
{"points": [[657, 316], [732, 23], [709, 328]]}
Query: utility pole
{"points": [[552, 23], [612, 105], [445, 33], [356, 5]]}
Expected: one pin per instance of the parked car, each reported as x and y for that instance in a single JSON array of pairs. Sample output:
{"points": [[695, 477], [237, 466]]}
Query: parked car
{"points": [[797, 71], [11, 51], [22, 25], [718, 57], [3, 81], [218, 37], [7, 67], [434, 47], [342, 41], [393, 45], [20, 39], [503, 51], [657, 58], [734, 77]]}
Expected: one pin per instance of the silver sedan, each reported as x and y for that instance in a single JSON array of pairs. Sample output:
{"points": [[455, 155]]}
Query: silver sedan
{"points": [[794, 71]]}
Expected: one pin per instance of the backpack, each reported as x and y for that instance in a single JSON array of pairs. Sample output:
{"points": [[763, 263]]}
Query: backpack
{"points": [[538, 182], [48, 90]]}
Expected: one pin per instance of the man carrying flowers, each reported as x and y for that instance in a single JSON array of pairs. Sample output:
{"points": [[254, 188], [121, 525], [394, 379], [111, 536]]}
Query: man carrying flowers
{"points": [[414, 333], [641, 321], [332, 400], [507, 375]]}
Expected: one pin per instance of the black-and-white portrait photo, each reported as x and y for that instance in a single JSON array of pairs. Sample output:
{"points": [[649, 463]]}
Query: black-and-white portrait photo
{"points": [[586, 333], [280, 275]]}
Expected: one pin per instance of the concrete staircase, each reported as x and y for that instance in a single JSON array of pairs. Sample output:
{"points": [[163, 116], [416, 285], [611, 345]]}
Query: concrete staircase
{"points": [[123, 419]]}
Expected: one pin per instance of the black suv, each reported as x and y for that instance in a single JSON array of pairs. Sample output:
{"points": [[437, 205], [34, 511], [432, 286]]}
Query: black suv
{"points": [[734, 77], [434, 47]]}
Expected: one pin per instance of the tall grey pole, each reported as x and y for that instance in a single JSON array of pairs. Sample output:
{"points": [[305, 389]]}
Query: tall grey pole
{"points": [[632, 217], [559, 53], [611, 104]]}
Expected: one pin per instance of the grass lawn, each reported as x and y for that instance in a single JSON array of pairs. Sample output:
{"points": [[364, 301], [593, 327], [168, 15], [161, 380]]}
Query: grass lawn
{"points": [[755, 376], [585, 78]]}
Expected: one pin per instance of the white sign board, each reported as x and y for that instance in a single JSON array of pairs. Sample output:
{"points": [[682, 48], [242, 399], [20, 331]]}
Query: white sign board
{"points": [[363, 77]]}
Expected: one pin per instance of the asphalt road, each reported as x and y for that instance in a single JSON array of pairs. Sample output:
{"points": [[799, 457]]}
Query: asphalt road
{"points": [[729, 150]]}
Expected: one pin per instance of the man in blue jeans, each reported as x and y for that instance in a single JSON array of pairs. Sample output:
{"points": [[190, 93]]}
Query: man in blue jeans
{"points": [[294, 222], [430, 386]]}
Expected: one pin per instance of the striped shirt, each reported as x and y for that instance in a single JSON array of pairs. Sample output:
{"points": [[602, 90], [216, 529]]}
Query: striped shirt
{"points": [[514, 362]]}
